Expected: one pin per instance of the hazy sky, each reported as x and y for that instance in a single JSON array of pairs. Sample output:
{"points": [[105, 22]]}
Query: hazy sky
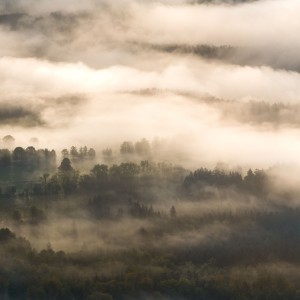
{"points": [[219, 79]]}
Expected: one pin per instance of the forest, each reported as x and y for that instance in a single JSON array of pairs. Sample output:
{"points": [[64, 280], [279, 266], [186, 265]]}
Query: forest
{"points": [[120, 225], [149, 150]]}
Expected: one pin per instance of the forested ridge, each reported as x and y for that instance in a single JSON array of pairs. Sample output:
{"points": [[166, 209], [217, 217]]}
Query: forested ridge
{"points": [[121, 225]]}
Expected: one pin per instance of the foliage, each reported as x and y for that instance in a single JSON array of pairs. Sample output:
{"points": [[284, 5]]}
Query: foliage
{"points": [[245, 251]]}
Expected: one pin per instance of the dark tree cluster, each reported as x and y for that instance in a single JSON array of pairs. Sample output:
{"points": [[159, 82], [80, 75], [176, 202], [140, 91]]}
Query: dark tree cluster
{"points": [[139, 210], [143, 235], [226, 269], [130, 177], [100, 207], [213, 177], [29, 157], [8, 192], [254, 182], [79, 155], [8, 141], [141, 148]]}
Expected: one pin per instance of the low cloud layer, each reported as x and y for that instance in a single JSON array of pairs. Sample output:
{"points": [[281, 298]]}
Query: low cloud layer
{"points": [[217, 83], [10, 115]]}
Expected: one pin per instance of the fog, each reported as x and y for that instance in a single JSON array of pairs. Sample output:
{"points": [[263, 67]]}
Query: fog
{"points": [[65, 68], [166, 149]]}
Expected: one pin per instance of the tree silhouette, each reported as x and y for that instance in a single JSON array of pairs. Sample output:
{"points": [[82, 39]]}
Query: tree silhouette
{"points": [[65, 165], [67, 176], [126, 148], [173, 212]]}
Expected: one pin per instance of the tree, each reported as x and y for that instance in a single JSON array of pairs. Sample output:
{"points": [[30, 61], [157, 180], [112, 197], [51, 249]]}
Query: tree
{"points": [[144, 165], [10, 191], [65, 153], [44, 179], [100, 172], [74, 153], [250, 175], [256, 182], [53, 185], [32, 156], [107, 154], [5, 157], [173, 212], [91, 154], [86, 182], [142, 147], [36, 215], [16, 216], [65, 165], [8, 141], [126, 148], [128, 173], [19, 155], [83, 153], [30, 150], [114, 174], [67, 176], [129, 170], [52, 158], [6, 235]]}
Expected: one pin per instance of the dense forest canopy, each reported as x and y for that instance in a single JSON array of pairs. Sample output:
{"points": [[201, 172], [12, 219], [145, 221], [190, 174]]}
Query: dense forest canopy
{"points": [[133, 229]]}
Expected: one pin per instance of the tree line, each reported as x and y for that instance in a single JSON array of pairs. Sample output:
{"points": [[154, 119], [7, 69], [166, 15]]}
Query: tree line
{"points": [[29, 157]]}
